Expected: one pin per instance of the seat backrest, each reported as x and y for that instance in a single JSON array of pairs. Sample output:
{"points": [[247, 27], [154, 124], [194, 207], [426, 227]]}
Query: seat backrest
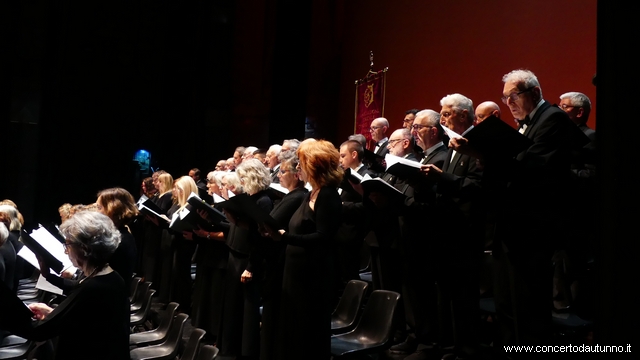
{"points": [[143, 313], [133, 287], [191, 349], [167, 319], [141, 291], [175, 333], [376, 321], [208, 352], [351, 300]]}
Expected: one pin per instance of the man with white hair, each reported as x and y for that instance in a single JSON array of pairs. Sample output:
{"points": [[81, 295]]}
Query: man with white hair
{"points": [[419, 243], [534, 211], [429, 136], [248, 153], [459, 198], [578, 107], [272, 162]]}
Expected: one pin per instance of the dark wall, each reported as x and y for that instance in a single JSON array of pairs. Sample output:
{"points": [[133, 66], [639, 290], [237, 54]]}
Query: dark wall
{"points": [[92, 82]]}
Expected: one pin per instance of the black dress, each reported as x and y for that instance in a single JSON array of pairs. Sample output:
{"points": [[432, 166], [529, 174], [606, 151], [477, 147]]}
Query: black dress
{"points": [[92, 323], [240, 325], [305, 315], [274, 269], [208, 295], [124, 258]]}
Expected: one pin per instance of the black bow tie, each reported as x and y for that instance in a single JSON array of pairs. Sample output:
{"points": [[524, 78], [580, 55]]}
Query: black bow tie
{"points": [[525, 121]]}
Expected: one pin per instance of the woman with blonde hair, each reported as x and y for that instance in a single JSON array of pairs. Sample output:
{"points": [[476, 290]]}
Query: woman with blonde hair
{"points": [[240, 335], [305, 316], [231, 183], [165, 184], [177, 251]]}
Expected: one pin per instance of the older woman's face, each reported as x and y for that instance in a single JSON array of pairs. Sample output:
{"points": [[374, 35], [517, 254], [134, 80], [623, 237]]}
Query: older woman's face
{"points": [[213, 188], [71, 250], [288, 176]]}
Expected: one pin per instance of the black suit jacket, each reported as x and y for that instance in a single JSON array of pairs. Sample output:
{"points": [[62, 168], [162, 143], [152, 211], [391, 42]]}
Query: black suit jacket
{"points": [[382, 149], [424, 188], [536, 201], [460, 203], [274, 174]]}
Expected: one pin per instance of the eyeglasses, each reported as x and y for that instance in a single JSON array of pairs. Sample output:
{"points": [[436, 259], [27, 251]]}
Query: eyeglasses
{"points": [[374, 128], [515, 95], [394, 141], [565, 106], [283, 171], [66, 247], [419, 126]]}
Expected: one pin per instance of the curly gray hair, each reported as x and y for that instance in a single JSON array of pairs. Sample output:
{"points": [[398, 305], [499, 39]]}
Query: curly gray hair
{"points": [[95, 234]]}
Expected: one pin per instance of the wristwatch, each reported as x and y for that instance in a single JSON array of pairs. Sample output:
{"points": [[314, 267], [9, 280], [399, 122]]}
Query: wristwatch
{"points": [[208, 236]]}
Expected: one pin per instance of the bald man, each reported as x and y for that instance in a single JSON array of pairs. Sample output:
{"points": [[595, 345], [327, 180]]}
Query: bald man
{"points": [[378, 129], [486, 109]]}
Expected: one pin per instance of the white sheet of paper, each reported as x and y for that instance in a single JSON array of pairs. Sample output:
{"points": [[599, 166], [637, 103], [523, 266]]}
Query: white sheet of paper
{"points": [[29, 256], [392, 160], [142, 199], [279, 188], [43, 284], [451, 134], [52, 245]]}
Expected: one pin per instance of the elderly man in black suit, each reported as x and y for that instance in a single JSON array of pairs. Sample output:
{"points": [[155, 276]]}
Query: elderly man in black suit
{"points": [[459, 188], [272, 161], [534, 204], [417, 247]]}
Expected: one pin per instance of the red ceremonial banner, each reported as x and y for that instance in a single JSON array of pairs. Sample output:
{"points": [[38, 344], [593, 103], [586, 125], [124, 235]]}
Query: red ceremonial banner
{"points": [[369, 101]]}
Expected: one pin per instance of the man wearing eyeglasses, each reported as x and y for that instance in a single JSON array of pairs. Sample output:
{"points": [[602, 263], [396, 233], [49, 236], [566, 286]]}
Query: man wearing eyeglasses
{"points": [[429, 136], [409, 116], [378, 131], [578, 107], [459, 198], [419, 252], [533, 211]]}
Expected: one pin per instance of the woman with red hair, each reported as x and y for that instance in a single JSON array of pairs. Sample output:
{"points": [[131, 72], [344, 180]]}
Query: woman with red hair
{"points": [[305, 326]]}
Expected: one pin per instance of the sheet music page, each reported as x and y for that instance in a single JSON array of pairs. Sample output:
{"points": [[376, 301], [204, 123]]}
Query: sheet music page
{"points": [[142, 199], [52, 245], [29, 256], [43, 284], [451, 134], [392, 160], [279, 188]]}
